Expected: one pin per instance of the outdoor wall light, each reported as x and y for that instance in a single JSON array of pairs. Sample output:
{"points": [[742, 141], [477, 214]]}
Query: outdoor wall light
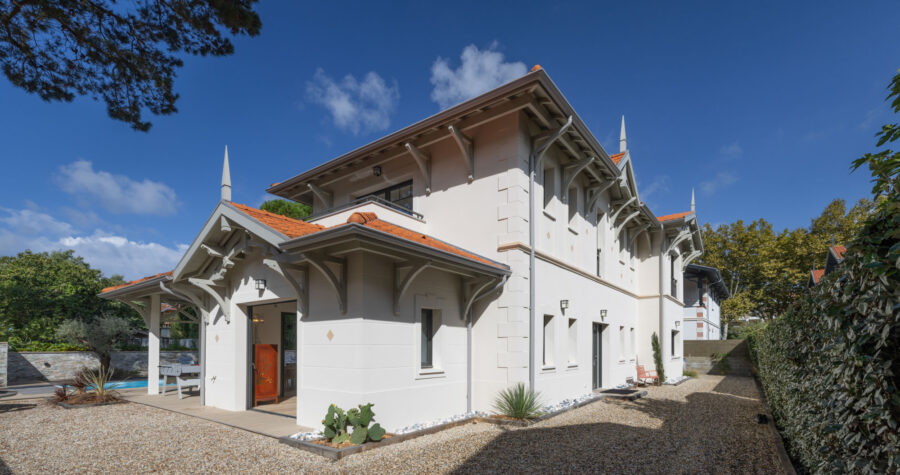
{"points": [[677, 324], [376, 170], [563, 304], [603, 314], [260, 284]]}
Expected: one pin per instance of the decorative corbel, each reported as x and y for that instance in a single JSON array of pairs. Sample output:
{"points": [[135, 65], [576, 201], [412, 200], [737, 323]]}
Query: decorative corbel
{"points": [[301, 287], [424, 161], [690, 257], [472, 289], [571, 172], [338, 284], [598, 192], [326, 197], [207, 285], [615, 215], [537, 152], [467, 147], [401, 286], [625, 221], [143, 311], [681, 237]]}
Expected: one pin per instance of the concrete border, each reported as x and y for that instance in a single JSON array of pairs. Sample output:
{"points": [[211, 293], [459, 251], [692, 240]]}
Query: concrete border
{"points": [[336, 454], [66, 405], [783, 457]]}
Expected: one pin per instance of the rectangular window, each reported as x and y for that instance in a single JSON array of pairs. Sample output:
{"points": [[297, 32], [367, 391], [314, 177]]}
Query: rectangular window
{"points": [[400, 194], [633, 340], [573, 203], [548, 340], [621, 343], [573, 340], [549, 185], [674, 290], [674, 341], [427, 359]]}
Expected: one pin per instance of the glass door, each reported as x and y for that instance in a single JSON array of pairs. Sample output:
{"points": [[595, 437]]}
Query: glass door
{"points": [[289, 354]]}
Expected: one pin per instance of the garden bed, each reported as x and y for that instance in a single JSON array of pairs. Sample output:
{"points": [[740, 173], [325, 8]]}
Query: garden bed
{"points": [[67, 405]]}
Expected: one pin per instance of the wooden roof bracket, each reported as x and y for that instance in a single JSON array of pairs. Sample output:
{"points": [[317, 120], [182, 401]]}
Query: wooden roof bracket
{"points": [[690, 257], [599, 192], [401, 286], [279, 264], [615, 215], [338, 284], [326, 197], [571, 172], [207, 285], [467, 147], [628, 218], [475, 290], [424, 161]]}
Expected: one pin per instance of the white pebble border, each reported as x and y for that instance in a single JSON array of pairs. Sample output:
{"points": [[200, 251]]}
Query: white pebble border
{"points": [[676, 379], [568, 403]]}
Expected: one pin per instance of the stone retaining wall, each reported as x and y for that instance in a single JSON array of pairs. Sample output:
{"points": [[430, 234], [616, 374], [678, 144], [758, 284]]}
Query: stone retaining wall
{"points": [[4, 349], [698, 356], [30, 366]]}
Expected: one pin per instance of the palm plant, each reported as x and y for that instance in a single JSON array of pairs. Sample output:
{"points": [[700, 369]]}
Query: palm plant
{"points": [[518, 402], [97, 385]]}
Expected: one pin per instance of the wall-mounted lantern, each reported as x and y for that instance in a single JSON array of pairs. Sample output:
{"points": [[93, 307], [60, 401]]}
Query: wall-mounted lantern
{"points": [[563, 304], [603, 315], [376, 170], [260, 284]]}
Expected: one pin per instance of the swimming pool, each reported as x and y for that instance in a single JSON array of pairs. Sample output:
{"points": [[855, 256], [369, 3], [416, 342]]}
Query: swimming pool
{"points": [[135, 383]]}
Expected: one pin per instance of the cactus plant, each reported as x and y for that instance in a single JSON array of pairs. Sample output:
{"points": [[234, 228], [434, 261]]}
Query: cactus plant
{"points": [[336, 424]]}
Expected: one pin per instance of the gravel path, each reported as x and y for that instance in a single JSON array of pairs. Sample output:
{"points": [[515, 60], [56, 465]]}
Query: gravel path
{"points": [[702, 426]]}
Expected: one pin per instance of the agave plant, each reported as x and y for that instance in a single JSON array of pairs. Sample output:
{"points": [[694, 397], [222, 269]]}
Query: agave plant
{"points": [[519, 402], [98, 384]]}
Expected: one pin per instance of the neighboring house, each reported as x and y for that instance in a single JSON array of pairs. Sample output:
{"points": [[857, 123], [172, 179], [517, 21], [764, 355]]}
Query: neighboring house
{"points": [[414, 284], [704, 292], [835, 257]]}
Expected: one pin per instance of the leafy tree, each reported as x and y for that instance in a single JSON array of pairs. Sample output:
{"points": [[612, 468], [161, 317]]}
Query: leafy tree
{"points": [[100, 336], [126, 55], [287, 208], [38, 291]]}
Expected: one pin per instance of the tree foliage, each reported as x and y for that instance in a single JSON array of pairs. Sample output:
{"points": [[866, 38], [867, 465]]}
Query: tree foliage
{"points": [[830, 364], [287, 208], [100, 336], [126, 55], [38, 291], [765, 270]]}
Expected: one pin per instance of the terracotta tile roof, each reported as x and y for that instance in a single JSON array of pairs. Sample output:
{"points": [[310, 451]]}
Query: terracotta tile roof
{"points": [[839, 251], [290, 227], [670, 217], [817, 275], [370, 220], [617, 157], [133, 282]]}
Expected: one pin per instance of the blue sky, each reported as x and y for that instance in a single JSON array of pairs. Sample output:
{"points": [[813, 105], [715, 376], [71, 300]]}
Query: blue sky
{"points": [[759, 106]]}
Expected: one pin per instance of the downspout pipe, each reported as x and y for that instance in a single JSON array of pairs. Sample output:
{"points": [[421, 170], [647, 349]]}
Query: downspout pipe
{"points": [[469, 319], [662, 306], [535, 159]]}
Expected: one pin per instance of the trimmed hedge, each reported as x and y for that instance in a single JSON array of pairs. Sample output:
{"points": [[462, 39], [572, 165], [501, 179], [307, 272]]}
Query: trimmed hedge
{"points": [[830, 364]]}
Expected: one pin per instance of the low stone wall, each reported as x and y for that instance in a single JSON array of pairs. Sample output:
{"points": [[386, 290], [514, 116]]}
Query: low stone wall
{"points": [[4, 349], [29, 366], [698, 356]]}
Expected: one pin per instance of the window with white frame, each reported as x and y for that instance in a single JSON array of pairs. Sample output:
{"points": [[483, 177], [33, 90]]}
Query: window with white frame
{"points": [[633, 340], [549, 185], [549, 338], [601, 242], [675, 340], [573, 340], [622, 343], [427, 343]]}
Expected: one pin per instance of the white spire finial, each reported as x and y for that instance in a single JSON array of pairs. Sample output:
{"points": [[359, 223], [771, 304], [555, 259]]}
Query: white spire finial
{"points": [[693, 205], [622, 144], [226, 178]]}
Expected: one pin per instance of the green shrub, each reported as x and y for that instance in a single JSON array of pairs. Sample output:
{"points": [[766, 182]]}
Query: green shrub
{"points": [[830, 364], [45, 346], [657, 357], [689, 373], [518, 402], [720, 362], [337, 422]]}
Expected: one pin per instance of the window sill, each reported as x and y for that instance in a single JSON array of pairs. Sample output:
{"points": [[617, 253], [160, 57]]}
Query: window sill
{"points": [[547, 214], [430, 373], [573, 365], [676, 358], [573, 231], [548, 369]]}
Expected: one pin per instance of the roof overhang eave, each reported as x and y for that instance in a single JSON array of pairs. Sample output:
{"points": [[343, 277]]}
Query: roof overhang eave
{"points": [[357, 230], [138, 290]]}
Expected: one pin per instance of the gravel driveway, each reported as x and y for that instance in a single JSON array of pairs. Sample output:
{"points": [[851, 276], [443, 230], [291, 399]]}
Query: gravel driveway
{"points": [[702, 426]]}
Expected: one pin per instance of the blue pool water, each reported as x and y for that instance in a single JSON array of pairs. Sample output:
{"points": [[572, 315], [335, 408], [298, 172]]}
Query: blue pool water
{"points": [[136, 383]]}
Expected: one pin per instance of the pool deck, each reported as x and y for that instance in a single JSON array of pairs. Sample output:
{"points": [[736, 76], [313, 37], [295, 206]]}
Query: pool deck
{"points": [[264, 423]]}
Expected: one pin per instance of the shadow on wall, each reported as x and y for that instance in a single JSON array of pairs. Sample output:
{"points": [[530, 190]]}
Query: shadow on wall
{"points": [[709, 432], [20, 370], [718, 357]]}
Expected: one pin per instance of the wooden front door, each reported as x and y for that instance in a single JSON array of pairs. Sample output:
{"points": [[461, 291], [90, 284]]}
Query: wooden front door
{"points": [[265, 373]]}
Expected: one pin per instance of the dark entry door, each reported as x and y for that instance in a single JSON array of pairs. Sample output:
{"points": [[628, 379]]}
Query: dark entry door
{"points": [[288, 354], [597, 352]]}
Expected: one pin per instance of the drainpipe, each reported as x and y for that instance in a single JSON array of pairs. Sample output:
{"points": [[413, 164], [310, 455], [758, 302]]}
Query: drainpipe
{"points": [[536, 157], [202, 349], [469, 342], [662, 306]]}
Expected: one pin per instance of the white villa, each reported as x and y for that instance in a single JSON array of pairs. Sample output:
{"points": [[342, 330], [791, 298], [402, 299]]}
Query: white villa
{"points": [[492, 243], [704, 292]]}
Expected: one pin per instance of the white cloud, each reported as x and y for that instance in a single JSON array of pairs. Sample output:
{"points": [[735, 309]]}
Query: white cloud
{"points": [[721, 180], [660, 184], [112, 254], [355, 106], [115, 193], [479, 72], [731, 152]]}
